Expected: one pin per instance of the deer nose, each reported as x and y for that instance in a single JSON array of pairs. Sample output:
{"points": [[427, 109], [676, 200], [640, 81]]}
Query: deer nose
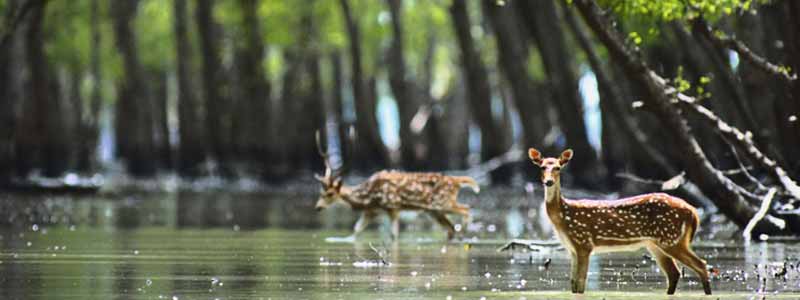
{"points": [[319, 208], [549, 182]]}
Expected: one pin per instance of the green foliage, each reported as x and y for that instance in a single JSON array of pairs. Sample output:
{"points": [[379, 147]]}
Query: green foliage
{"points": [[668, 10], [68, 33], [68, 43], [154, 30], [681, 83]]}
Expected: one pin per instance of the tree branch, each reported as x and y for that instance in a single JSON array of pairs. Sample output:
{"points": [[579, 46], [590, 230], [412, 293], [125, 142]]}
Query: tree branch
{"points": [[743, 141], [766, 202], [660, 96], [722, 42]]}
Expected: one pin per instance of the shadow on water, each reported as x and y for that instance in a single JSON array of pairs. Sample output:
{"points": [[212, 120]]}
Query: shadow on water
{"points": [[251, 245]]}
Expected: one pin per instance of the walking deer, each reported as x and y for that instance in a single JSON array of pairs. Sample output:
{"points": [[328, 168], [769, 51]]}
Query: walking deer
{"points": [[662, 223], [392, 192]]}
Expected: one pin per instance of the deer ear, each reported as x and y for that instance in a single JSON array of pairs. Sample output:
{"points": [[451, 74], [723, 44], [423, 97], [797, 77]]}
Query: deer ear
{"points": [[337, 184], [535, 156], [565, 157]]}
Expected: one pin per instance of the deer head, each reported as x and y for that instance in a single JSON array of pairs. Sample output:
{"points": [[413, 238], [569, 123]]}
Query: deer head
{"points": [[551, 166], [331, 182]]}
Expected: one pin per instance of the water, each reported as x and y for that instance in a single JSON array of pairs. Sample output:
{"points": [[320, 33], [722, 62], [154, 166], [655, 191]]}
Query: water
{"points": [[255, 246]]}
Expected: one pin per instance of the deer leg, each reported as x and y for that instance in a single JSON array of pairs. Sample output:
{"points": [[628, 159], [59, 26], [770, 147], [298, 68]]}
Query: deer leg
{"points": [[668, 267], [363, 222], [580, 268], [442, 219], [394, 216], [687, 257]]}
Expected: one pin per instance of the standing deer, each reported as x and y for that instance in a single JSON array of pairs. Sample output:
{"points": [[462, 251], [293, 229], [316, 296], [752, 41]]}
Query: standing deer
{"points": [[392, 192], [662, 223]]}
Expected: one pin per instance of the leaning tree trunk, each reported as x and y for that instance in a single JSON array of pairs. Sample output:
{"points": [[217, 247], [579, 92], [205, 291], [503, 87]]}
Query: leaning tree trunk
{"points": [[191, 151], [216, 105], [543, 22], [479, 94], [368, 147], [513, 56], [659, 100]]}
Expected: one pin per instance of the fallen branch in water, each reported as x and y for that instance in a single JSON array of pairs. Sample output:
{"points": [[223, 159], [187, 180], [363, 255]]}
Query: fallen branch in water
{"points": [[530, 245], [766, 202], [381, 253]]}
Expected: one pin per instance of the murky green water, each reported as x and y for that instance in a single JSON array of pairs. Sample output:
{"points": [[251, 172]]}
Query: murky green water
{"points": [[240, 247]]}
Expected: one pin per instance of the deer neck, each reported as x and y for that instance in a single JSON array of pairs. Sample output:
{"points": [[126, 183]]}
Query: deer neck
{"points": [[554, 202], [350, 197]]}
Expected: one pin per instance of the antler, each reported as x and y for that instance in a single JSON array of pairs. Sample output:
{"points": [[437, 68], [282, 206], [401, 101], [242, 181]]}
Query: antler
{"points": [[325, 157]]}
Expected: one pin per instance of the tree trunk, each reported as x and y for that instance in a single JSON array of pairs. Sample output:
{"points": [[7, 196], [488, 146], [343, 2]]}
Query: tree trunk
{"points": [[191, 151], [759, 32], [291, 100], [255, 89], [789, 109], [698, 168], [89, 125], [479, 92], [368, 147], [727, 80], [544, 25], [337, 105], [314, 112], [41, 141], [513, 58], [217, 123], [160, 113], [135, 131], [411, 146], [8, 97]]}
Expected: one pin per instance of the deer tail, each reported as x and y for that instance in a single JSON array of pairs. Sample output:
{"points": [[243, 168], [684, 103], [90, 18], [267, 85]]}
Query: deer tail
{"points": [[691, 226], [466, 181]]}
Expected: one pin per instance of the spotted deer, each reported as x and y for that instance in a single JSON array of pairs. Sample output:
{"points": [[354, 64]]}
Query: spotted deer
{"points": [[392, 192], [659, 222]]}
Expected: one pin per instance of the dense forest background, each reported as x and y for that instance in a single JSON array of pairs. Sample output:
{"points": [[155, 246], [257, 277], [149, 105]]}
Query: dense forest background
{"points": [[695, 96]]}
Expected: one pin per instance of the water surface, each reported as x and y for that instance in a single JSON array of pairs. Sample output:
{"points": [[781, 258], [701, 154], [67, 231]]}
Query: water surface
{"points": [[239, 246]]}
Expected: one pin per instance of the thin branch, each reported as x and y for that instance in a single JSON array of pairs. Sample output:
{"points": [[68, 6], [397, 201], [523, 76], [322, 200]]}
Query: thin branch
{"points": [[722, 42], [742, 167], [513, 155], [766, 202]]}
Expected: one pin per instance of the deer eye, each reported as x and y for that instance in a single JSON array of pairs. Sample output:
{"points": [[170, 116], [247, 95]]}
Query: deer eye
{"points": [[557, 169]]}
